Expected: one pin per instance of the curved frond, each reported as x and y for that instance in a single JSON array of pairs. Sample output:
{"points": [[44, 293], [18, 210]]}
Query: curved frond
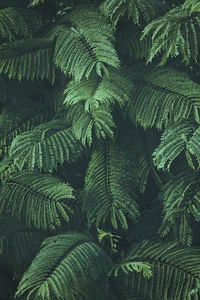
{"points": [[163, 95], [45, 147], [132, 9], [177, 32], [181, 200], [177, 137], [107, 91], [87, 45], [35, 2], [18, 23], [67, 266], [85, 124], [30, 59], [175, 271], [38, 200], [109, 187]]}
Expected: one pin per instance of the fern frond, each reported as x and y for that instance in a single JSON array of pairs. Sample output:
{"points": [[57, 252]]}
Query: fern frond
{"points": [[63, 269], [30, 59], [35, 2], [175, 33], [173, 141], [130, 266], [88, 44], [175, 271], [45, 147], [19, 23], [96, 91], [181, 199], [193, 5], [163, 95], [38, 200], [132, 9], [85, 124], [109, 190]]}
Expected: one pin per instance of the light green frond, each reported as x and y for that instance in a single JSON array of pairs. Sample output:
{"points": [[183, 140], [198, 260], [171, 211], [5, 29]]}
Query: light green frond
{"points": [[130, 266], [87, 45], [18, 23], [96, 91], [175, 271], [181, 200], [38, 200], [109, 187], [177, 32], [193, 5], [163, 95], [87, 124], [30, 59], [132, 9], [45, 147], [67, 267], [176, 138]]}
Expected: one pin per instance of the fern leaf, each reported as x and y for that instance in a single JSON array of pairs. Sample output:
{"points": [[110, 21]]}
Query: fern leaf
{"points": [[35, 2], [36, 199], [85, 124], [134, 9], [88, 44], [19, 23], [131, 266], [45, 147], [62, 268], [162, 95], [181, 199], [107, 91], [177, 32], [109, 191], [175, 271], [30, 59]]}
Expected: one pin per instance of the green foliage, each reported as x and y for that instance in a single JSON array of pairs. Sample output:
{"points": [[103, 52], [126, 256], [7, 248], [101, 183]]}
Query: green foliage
{"points": [[19, 23], [163, 95], [39, 200], [175, 33], [45, 147], [175, 271], [109, 187], [131, 266], [134, 9], [30, 59], [62, 268], [86, 45]]}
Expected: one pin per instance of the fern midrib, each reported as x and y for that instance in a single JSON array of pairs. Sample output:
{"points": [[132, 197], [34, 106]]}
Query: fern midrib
{"points": [[107, 171]]}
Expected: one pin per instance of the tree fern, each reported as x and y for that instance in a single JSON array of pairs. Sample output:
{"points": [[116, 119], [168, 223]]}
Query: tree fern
{"points": [[62, 268], [86, 45], [39, 200], [163, 95], [30, 59], [177, 32], [175, 271], [45, 147], [19, 23], [109, 187]]}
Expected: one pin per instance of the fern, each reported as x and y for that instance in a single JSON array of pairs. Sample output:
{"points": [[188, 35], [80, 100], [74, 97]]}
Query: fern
{"points": [[19, 23], [163, 95], [45, 147], [177, 32], [88, 44], [35, 2], [181, 199], [41, 201], [130, 266], [134, 9], [30, 59], [175, 271], [109, 191], [62, 268], [85, 124]]}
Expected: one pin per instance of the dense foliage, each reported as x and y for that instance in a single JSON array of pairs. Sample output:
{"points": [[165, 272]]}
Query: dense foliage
{"points": [[99, 149]]}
